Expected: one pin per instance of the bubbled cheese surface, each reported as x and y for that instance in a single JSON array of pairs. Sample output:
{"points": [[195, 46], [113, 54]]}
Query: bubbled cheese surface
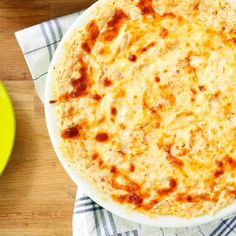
{"points": [[145, 96]]}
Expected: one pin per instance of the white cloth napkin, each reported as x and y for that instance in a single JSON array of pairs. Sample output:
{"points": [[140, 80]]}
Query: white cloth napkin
{"points": [[38, 44]]}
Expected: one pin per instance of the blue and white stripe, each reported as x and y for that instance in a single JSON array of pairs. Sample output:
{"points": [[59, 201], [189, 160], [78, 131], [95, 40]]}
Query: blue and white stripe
{"points": [[38, 44], [107, 224]]}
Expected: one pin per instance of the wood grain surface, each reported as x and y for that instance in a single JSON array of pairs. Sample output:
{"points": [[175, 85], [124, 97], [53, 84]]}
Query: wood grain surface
{"points": [[36, 195]]}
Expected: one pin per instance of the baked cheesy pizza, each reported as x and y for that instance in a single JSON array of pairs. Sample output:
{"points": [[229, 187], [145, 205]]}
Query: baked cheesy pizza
{"points": [[145, 94]]}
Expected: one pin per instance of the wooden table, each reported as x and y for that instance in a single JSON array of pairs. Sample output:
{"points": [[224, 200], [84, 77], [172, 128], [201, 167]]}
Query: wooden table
{"points": [[36, 195]]}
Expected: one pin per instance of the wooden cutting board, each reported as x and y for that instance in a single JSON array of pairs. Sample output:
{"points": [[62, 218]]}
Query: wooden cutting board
{"points": [[36, 195]]}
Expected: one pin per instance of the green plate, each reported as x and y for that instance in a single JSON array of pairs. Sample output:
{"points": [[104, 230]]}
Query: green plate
{"points": [[7, 127]]}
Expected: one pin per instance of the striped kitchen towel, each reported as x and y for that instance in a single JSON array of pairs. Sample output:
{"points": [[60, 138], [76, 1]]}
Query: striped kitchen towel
{"points": [[38, 43]]}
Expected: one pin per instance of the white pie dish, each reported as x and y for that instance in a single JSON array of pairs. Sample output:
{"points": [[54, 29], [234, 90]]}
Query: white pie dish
{"points": [[104, 201]]}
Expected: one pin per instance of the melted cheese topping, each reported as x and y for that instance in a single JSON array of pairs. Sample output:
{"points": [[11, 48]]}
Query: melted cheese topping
{"points": [[145, 95]]}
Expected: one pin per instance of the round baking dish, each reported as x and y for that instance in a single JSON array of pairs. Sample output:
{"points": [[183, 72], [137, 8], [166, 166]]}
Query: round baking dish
{"points": [[101, 199]]}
